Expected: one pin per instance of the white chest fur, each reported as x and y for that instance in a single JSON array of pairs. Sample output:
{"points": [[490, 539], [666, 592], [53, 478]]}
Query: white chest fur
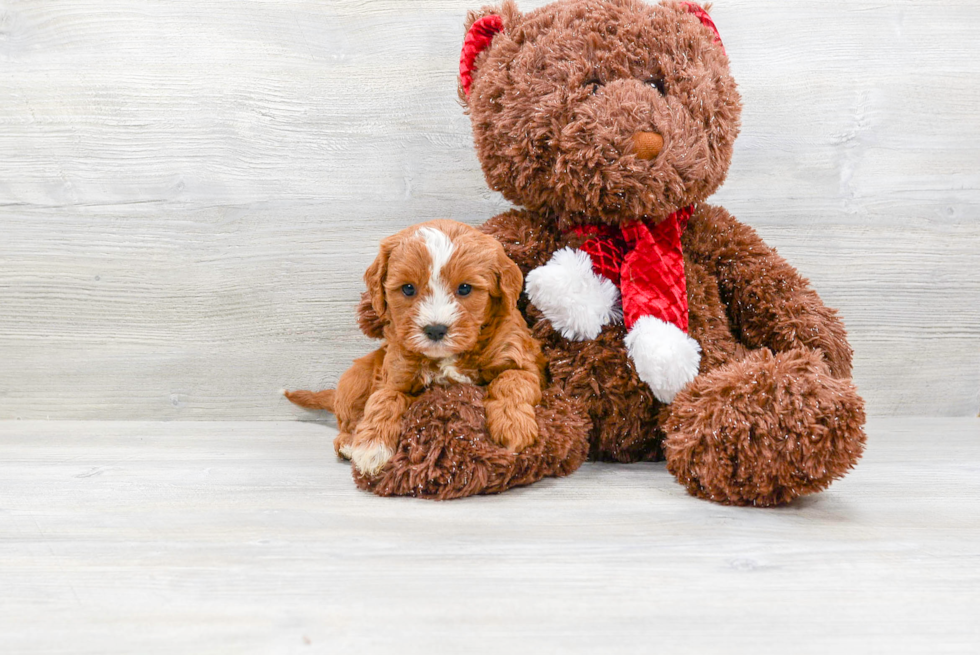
{"points": [[444, 370]]}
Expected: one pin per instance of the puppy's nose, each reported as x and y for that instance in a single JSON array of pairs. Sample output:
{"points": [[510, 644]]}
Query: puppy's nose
{"points": [[647, 145], [435, 331]]}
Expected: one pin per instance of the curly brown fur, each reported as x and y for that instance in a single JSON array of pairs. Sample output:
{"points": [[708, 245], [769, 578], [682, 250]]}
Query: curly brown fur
{"points": [[556, 102], [557, 98], [446, 452], [622, 409], [368, 320], [599, 373], [765, 429], [769, 302]]}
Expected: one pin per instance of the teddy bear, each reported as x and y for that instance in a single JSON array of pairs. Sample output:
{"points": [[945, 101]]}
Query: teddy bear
{"points": [[673, 331], [608, 124]]}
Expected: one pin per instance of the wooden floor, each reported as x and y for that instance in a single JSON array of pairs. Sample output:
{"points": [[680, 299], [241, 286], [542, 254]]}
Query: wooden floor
{"points": [[251, 538]]}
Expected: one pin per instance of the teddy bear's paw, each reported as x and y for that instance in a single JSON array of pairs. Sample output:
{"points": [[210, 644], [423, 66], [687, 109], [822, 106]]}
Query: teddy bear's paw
{"points": [[664, 356], [445, 449], [764, 430], [572, 297]]}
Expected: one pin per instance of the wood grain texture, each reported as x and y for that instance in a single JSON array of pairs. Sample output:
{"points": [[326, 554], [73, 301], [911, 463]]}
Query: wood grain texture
{"points": [[250, 537], [189, 192]]}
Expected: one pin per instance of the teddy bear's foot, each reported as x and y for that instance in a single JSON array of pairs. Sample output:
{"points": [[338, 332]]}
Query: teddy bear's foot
{"points": [[764, 430], [598, 374], [445, 450]]}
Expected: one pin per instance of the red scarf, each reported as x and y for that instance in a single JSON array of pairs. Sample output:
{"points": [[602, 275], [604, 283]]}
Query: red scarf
{"points": [[646, 263]]}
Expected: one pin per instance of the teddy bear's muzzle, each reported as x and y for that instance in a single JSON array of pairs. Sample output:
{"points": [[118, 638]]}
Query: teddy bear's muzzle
{"points": [[647, 145]]}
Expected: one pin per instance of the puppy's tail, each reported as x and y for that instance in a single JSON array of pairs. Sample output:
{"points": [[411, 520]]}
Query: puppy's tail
{"points": [[312, 399]]}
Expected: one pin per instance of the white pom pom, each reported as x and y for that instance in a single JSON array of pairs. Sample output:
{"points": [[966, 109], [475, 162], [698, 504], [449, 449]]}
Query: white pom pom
{"points": [[665, 357], [570, 295]]}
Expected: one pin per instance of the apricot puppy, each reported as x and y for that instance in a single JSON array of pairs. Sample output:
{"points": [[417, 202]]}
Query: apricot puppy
{"points": [[446, 295]]}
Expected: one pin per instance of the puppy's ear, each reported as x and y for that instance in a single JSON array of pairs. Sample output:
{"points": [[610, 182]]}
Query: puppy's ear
{"points": [[510, 281], [368, 320], [374, 278]]}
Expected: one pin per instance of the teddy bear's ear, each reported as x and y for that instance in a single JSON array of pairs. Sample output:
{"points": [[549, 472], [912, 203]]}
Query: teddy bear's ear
{"points": [[481, 27], [701, 13]]}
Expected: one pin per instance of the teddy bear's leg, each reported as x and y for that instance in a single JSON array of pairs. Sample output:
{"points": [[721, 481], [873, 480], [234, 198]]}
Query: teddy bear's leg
{"points": [[783, 421], [764, 430], [445, 449], [598, 374]]}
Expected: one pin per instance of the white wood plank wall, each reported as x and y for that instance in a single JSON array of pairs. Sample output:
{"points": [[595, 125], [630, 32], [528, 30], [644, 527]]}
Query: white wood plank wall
{"points": [[190, 191]]}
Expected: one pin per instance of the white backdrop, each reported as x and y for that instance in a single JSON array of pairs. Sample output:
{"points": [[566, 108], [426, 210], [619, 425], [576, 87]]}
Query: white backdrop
{"points": [[190, 191]]}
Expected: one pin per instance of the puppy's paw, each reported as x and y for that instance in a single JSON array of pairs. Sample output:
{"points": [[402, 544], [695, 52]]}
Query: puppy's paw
{"points": [[572, 297], [511, 426], [342, 445], [370, 456]]}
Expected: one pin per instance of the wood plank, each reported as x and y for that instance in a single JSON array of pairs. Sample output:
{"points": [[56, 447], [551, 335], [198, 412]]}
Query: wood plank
{"points": [[189, 193], [250, 537]]}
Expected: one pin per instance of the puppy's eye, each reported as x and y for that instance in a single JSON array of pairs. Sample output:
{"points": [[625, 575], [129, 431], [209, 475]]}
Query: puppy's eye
{"points": [[657, 82], [408, 290], [464, 289], [593, 84]]}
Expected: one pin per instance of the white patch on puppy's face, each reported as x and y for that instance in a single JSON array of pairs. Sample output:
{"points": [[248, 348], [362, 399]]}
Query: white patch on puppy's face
{"points": [[438, 305], [439, 288]]}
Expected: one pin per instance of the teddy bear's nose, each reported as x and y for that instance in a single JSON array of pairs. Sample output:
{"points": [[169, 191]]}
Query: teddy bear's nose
{"points": [[647, 145]]}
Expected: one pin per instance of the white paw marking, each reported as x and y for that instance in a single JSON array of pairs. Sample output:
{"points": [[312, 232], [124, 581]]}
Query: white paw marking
{"points": [[370, 458]]}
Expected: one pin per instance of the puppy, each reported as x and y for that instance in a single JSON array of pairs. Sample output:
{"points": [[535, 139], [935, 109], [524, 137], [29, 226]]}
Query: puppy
{"points": [[446, 298]]}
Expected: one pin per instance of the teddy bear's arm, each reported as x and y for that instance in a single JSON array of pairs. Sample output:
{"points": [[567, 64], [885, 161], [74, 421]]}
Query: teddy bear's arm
{"points": [[769, 303]]}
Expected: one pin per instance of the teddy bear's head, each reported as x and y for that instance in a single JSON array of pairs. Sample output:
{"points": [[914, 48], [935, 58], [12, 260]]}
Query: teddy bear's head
{"points": [[600, 110]]}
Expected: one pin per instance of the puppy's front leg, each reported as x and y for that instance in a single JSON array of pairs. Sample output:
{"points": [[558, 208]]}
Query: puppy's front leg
{"points": [[376, 437], [511, 398]]}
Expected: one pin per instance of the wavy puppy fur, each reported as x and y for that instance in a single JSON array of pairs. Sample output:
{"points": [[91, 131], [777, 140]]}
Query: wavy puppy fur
{"points": [[444, 297]]}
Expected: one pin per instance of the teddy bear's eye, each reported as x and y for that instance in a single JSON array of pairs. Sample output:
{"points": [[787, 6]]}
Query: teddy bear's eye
{"points": [[593, 84], [657, 82]]}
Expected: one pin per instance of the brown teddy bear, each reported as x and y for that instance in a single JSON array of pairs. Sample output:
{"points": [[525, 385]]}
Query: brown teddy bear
{"points": [[675, 332], [686, 337]]}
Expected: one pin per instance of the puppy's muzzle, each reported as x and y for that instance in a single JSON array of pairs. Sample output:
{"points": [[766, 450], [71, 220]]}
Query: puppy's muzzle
{"points": [[436, 331]]}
